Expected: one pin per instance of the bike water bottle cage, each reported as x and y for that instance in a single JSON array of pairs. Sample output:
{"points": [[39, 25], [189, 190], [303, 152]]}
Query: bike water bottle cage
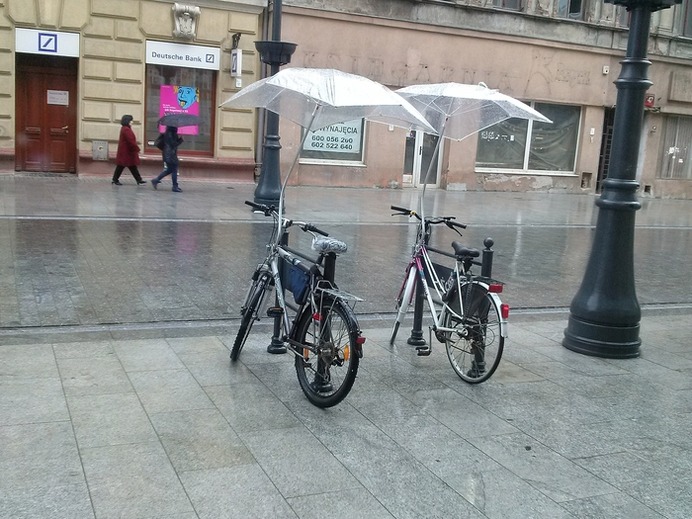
{"points": [[462, 251], [325, 245]]}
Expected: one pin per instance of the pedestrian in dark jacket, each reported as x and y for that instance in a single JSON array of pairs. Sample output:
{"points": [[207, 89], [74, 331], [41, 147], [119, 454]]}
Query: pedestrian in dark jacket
{"points": [[171, 141], [128, 152]]}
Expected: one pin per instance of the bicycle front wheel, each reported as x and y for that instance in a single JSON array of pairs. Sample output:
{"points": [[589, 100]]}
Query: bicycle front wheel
{"points": [[328, 362], [475, 344], [249, 311]]}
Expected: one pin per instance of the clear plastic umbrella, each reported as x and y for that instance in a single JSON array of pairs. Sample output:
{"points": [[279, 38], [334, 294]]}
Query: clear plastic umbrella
{"points": [[458, 110], [315, 98]]}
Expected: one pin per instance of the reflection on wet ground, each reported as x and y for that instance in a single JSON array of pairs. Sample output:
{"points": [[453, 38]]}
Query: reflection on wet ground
{"points": [[78, 272], [78, 251]]}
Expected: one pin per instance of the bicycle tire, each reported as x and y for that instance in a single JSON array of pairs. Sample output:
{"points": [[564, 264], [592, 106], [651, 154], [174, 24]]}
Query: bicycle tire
{"points": [[249, 312], [327, 377], [403, 301], [475, 349]]}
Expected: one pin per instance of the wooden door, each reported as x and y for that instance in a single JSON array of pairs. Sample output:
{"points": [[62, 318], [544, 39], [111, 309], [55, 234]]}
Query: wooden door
{"points": [[46, 114]]}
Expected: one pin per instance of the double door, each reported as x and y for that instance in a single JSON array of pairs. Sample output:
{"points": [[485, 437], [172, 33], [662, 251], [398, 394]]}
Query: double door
{"points": [[46, 114]]}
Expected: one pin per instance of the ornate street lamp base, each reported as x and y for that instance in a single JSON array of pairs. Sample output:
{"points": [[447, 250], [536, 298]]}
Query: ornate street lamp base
{"points": [[598, 340]]}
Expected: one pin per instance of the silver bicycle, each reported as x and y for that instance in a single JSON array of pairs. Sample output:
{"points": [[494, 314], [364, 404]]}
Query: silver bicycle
{"points": [[468, 316], [323, 335]]}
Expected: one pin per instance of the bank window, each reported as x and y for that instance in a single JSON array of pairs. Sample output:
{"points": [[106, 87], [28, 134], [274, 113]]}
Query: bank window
{"points": [[342, 142], [518, 145], [677, 140], [184, 86]]}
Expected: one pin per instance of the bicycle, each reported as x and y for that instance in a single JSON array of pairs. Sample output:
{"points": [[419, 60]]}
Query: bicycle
{"points": [[468, 316], [324, 335]]}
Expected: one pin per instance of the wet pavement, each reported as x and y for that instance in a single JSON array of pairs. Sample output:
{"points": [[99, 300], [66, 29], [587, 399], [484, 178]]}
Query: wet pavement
{"points": [[80, 252], [118, 307]]}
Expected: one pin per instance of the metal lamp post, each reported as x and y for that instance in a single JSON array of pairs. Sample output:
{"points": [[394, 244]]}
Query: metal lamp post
{"points": [[274, 53], [605, 314]]}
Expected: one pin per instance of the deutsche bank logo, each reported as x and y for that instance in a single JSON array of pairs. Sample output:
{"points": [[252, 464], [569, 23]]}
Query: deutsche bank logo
{"points": [[209, 58], [47, 42]]}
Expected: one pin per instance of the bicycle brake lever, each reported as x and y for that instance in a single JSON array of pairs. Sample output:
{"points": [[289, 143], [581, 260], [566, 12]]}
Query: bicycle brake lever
{"points": [[449, 224]]}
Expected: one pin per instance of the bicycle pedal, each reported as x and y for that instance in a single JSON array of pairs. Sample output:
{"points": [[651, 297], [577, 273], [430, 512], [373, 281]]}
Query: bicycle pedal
{"points": [[275, 311], [423, 351]]}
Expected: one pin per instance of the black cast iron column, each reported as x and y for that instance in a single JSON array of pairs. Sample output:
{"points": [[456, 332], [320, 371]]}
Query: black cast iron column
{"points": [[605, 314], [274, 53]]}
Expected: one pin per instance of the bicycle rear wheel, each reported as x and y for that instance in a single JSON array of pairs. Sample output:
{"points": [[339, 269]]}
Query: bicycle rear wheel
{"points": [[250, 310], [328, 362], [475, 346]]}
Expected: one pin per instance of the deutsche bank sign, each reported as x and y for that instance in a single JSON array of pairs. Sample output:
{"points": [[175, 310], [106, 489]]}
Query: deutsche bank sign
{"points": [[53, 43], [180, 55]]}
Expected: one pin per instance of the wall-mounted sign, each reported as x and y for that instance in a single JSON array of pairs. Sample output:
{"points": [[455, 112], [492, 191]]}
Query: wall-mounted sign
{"points": [[340, 142], [58, 97], [336, 138], [52, 43], [181, 55], [175, 99], [236, 63]]}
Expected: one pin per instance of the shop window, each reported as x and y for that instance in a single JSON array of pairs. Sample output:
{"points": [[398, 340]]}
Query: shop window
{"points": [[687, 18], [342, 142], [186, 86], [520, 146], [677, 159], [514, 5], [570, 9]]}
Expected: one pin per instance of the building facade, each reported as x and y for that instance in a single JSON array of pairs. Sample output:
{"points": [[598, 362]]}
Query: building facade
{"points": [[73, 68], [562, 57]]}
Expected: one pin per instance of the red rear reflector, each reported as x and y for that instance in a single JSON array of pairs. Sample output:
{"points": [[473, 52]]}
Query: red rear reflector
{"points": [[495, 288], [504, 310], [316, 316], [360, 340]]}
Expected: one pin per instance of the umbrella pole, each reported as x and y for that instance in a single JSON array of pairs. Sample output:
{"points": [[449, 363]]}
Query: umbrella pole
{"points": [[295, 161], [430, 166]]}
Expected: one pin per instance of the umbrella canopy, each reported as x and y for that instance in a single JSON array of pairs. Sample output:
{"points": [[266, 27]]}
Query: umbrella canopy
{"points": [[315, 98], [457, 110], [179, 119]]}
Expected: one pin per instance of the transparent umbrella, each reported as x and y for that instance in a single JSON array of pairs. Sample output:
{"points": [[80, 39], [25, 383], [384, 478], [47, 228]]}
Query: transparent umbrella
{"points": [[314, 98], [458, 110]]}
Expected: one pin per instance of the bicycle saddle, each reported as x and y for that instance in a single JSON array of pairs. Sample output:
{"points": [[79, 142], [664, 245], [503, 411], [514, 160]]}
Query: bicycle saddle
{"points": [[462, 251], [324, 245]]}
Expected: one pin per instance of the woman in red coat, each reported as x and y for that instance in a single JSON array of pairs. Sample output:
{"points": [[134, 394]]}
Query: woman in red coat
{"points": [[128, 153]]}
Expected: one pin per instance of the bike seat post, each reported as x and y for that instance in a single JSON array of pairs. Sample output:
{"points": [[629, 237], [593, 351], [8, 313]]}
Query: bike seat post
{"points": [[329, 266]]}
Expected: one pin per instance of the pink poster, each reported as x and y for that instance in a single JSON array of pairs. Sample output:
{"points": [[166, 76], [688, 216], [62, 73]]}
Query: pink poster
{"points": [[179, 99]]}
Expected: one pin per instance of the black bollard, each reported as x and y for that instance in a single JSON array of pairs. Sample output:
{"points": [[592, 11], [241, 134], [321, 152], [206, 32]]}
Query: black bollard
{"points": [[487, 259], [416, 338], [277, 346]]}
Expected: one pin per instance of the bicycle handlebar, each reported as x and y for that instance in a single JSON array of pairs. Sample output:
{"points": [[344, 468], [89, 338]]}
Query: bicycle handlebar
{"points": [[432, 220], [270, 210]]}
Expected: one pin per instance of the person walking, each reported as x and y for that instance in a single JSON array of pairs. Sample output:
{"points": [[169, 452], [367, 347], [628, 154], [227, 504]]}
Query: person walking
{"points": [[171, 141], [128, 153]]}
